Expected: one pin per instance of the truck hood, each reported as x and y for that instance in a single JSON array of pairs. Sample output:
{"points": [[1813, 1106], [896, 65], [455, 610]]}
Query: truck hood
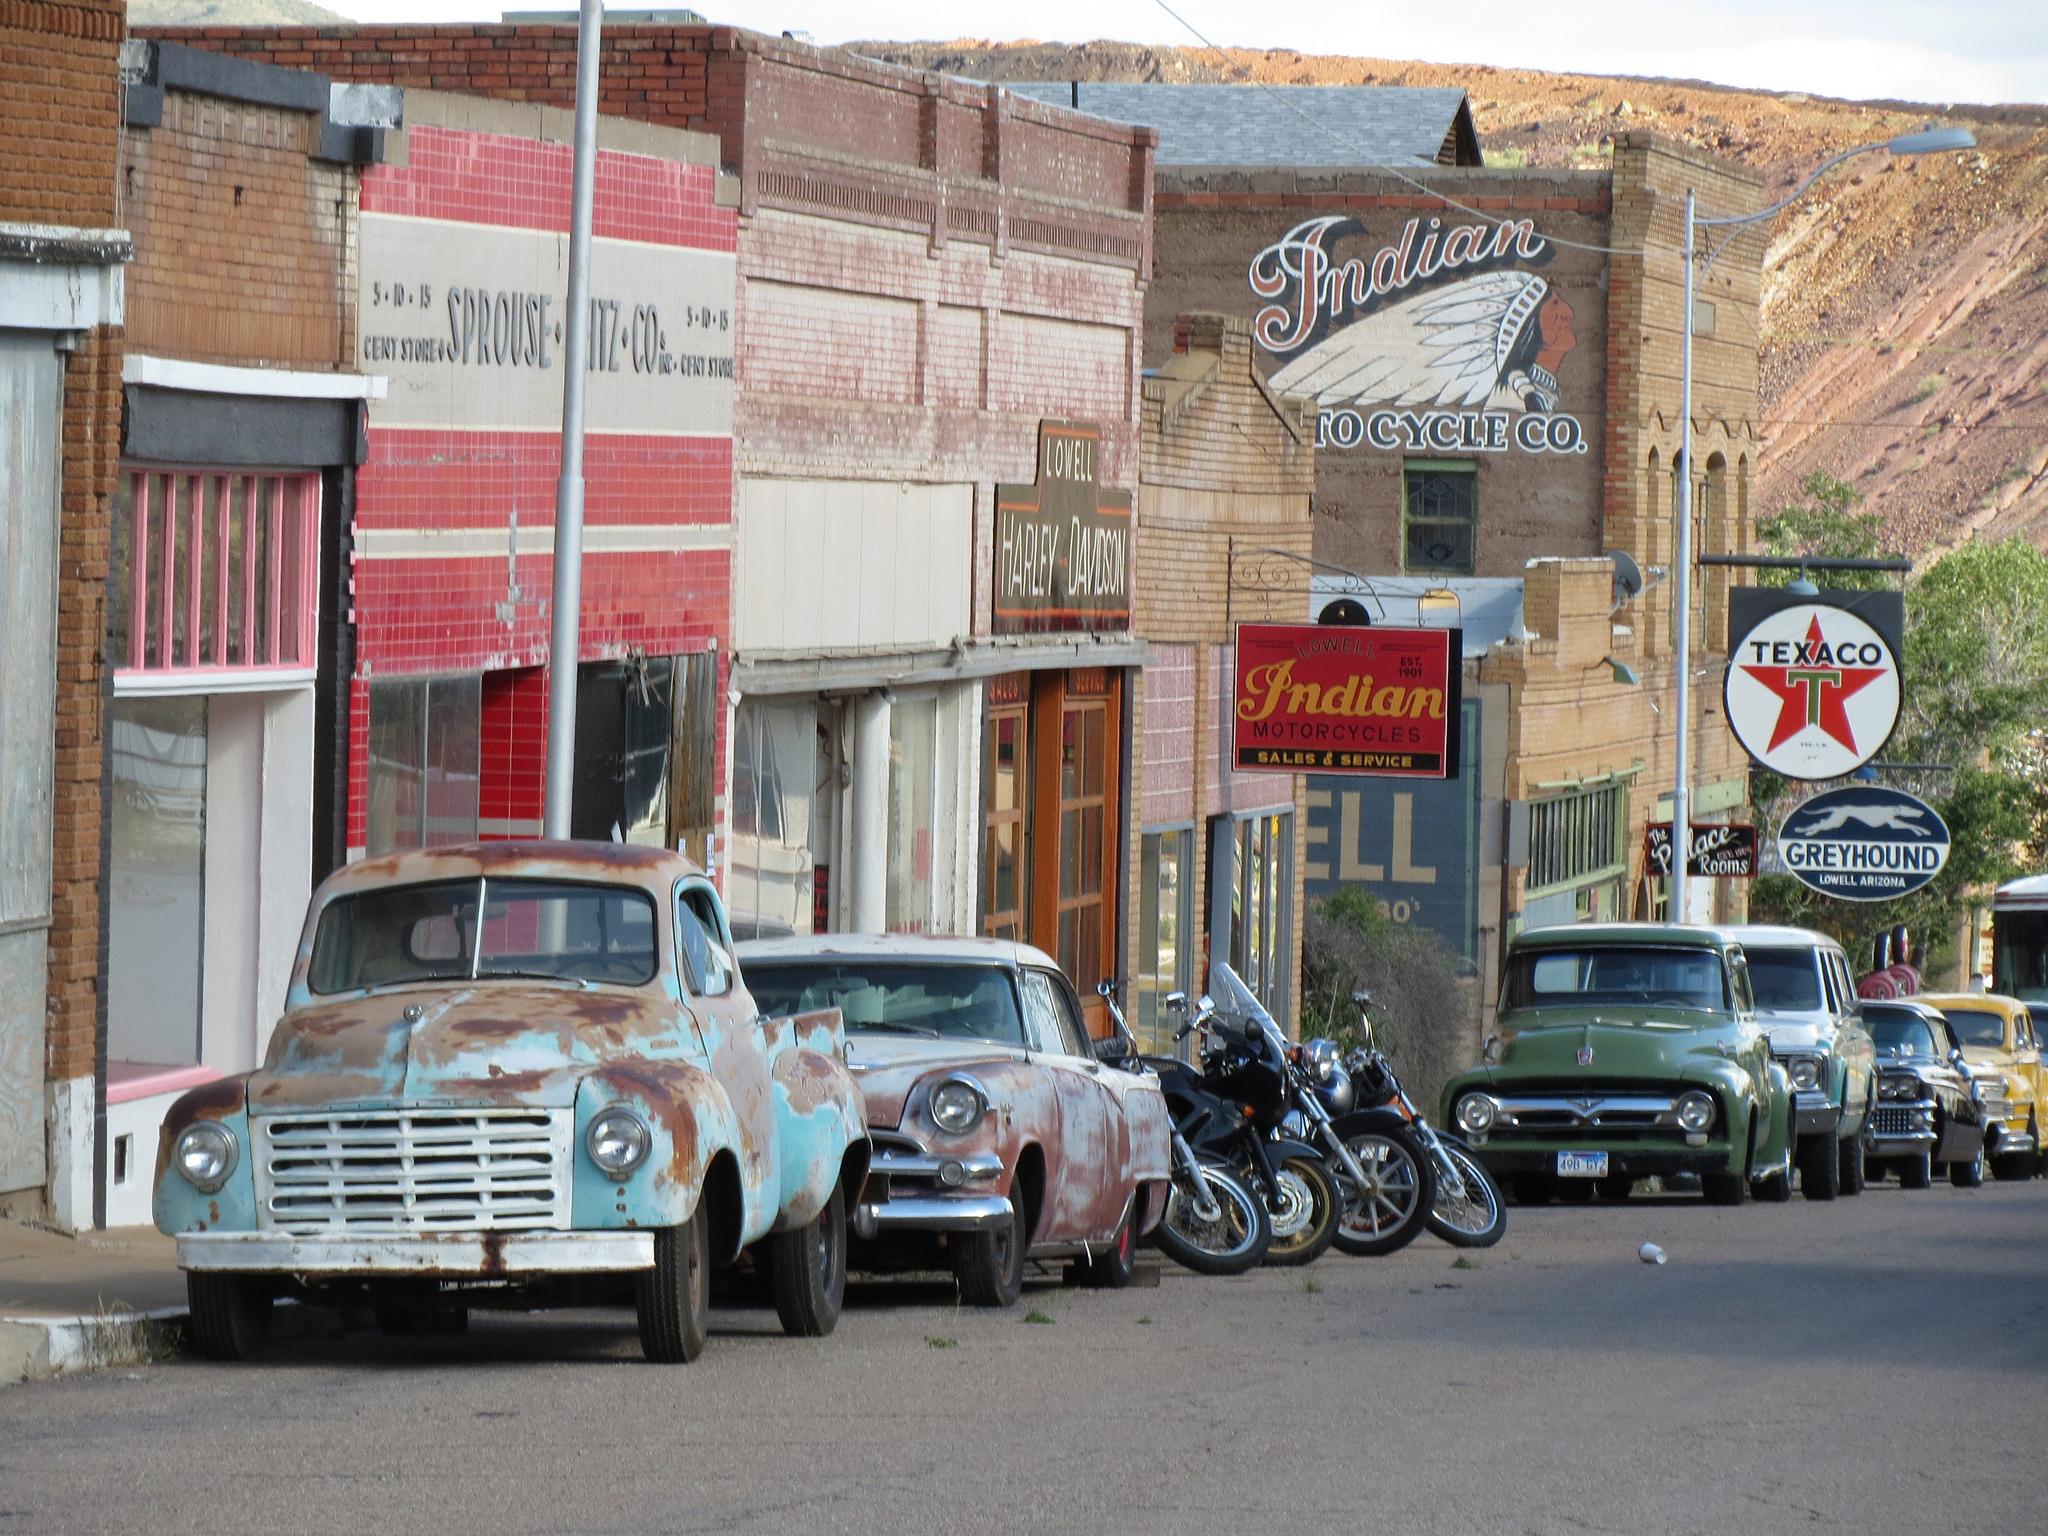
{"points": [[887, 1067], [1664, 1043], [495, 1043], [1793, 1032]]}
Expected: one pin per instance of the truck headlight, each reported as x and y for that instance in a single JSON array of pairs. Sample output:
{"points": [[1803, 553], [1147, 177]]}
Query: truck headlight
{"points": [[957, 1106], [1805, 1072], [619, 1141], [1476, 1113], [1695, 1113], [205, 1154]]}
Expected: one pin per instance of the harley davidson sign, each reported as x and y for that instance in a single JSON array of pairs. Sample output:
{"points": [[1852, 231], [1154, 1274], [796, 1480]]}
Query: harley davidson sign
{"points": [[1315, 698], [1717, 850], [1063, 545]]}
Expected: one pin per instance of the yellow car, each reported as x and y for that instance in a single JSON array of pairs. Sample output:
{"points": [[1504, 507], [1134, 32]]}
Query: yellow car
{"points": [[1997, 1036]]}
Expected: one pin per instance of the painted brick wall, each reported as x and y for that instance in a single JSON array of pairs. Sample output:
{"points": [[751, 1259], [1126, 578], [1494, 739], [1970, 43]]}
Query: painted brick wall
{"points": [[60, 79], [245, 247]]}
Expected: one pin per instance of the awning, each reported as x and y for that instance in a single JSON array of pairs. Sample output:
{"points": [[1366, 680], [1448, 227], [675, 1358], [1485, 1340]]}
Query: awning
{"points": [[762, 674]]}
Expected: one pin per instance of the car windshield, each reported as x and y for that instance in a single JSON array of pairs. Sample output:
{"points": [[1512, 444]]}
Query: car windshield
{"points": [[953, 1002], [1554, 977], [1899, 1034], [1785, 980], [1978, 1026], [554, 930]]}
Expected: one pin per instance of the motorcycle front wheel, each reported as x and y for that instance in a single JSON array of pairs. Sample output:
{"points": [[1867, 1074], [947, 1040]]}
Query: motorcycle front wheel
{"points": [[1233, 1244], [1479, 1218], [1394, 1207], [1305, 1224]]}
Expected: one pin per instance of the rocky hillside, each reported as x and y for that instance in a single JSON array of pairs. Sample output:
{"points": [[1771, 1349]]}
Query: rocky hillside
{"points": [[1905, 322]]}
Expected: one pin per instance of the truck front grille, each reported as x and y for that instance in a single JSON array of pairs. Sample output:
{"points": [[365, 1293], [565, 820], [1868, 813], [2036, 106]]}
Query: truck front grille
{"points": [[414, 1170]]}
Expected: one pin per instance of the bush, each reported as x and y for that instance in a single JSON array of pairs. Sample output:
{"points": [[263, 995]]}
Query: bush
{"points": [[1421, 1014]]}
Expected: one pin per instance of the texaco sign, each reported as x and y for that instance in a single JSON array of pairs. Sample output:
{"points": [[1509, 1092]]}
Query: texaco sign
{"points": [[1812, 692]]}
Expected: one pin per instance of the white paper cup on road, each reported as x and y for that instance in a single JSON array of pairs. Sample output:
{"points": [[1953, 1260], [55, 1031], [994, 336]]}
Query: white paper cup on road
{"points": [[1650, 1253]]}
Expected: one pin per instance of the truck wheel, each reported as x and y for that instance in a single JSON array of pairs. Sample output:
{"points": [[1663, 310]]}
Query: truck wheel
{"points": [[230, 1314], [1724, 1188], [1820, 1168], [1850, 1156], [807, 1271], [673, 1299], [1917, 1171], [1112, 1268], [990, 1265], [1968, 1175]]}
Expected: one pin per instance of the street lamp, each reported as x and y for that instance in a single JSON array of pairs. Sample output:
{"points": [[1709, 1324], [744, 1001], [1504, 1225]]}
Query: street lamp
{"points": [[1928, 141]]}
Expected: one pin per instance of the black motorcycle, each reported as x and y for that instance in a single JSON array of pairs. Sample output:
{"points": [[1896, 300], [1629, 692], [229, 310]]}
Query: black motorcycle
{"points": [[1213, 1223], [1229, 1109]]}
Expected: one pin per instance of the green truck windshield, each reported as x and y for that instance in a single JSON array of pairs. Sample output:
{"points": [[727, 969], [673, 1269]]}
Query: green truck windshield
{"points": [[1548, 978]]}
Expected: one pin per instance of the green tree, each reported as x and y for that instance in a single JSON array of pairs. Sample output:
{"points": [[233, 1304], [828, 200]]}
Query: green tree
{"points": [[1825, 524]]}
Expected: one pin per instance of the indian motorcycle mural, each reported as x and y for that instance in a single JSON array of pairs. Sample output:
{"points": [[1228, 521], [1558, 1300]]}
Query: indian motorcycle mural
{"points": [[1443, 341]]}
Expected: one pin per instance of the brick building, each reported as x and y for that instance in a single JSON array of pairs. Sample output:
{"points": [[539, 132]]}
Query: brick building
{"points": [[1224, 533], [62, 255]]}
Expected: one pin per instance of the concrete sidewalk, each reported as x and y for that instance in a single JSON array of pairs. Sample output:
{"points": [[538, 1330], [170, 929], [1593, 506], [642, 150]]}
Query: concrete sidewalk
{"points": [[74, 1303]]}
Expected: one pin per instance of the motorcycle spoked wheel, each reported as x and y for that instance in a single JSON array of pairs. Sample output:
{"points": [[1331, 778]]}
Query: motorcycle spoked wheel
{"points": [[1305, 1223], [1233, 1244], [1480, 1219], [1394, 1208]]}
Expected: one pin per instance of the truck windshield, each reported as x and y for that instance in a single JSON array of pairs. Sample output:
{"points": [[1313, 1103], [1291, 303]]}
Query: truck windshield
{"points": [[1977, 1026], [1785, 980], [1549, 978], [953, 1002], [555, 930]]}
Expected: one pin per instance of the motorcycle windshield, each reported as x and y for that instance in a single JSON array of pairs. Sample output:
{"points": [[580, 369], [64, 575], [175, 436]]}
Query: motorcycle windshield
{"points": [[1237, 1003]]}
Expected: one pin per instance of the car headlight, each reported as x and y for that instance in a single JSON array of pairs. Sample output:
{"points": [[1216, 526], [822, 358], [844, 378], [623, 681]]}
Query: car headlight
{"points": [[1695, 1112], [1805, 1072], [619, 1141], [1905, 1087], [957, 1106], [205, 1154], [1475, 1114], [1495, 1050]]}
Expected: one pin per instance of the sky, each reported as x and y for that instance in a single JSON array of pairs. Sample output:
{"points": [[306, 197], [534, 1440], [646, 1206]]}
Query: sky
{"points": [[1961, 51]]}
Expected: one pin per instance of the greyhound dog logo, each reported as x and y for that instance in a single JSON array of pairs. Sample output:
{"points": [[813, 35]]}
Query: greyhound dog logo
{"points": [[1879, 818]]}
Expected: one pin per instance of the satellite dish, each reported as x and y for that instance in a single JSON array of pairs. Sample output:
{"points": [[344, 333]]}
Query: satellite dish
{"points": [[1344, 610], [1628, 576]]}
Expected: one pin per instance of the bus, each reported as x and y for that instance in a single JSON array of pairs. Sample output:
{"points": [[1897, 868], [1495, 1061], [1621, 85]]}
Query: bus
{"points": [[2019, 940]]}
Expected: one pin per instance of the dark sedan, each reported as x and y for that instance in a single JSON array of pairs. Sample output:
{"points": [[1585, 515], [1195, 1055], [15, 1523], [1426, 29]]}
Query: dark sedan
{"points": [[1927, 1114]]}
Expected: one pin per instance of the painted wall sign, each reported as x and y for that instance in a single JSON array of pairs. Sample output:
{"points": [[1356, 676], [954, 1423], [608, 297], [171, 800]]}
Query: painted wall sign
{"points": [[1414, 844], [467, 321], [1063, 545], [1726, 850], [1440, 341], [1335, 699], [1864, 842], [1812, 692]]}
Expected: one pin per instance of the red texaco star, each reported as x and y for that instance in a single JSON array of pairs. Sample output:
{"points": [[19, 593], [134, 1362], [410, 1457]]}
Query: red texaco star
{"points": [[1812, 694]]}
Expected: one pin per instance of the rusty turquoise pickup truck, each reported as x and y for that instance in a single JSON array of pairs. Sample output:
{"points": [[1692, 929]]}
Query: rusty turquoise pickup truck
{"points": [[519, 1075]]}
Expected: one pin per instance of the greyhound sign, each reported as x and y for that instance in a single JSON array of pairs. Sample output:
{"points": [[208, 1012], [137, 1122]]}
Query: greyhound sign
{"points": [[1812, 691], [1864, 842]]}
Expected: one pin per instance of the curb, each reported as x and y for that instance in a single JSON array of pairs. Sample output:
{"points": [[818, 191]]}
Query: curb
{"points": [[37, 1348]]}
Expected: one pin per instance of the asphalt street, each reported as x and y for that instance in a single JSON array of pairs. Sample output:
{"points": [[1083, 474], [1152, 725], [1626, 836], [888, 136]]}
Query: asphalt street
{"points": [[1877, 1365]]}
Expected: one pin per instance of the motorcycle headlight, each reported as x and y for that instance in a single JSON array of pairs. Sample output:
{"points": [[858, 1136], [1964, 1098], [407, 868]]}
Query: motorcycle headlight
{"points": [[205, 1154], [618, 1140], [1695, 1113], [1475, 1114], [957, 1106], [1804, 1071], [1323, 1057]]}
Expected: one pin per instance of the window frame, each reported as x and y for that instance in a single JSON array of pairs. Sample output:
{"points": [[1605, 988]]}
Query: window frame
{"points": [[1411, 469]]}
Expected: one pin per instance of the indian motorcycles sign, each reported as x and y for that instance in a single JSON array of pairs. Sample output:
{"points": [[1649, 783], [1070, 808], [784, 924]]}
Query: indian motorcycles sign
{"points": [[1341, 699], [1442, 340]]}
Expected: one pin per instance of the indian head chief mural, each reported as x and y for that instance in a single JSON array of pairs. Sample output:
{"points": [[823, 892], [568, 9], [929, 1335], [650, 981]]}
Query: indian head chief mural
{"points": [[1444, 340]]}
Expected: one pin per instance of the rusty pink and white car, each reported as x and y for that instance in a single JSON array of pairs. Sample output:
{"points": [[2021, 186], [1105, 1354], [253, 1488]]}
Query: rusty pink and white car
{"points": [[999, 1135], [517, 1074]]}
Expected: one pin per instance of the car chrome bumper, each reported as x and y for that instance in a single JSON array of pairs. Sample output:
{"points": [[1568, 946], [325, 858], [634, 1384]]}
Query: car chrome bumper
{"points": [[1814, 1114], [447, 1255], [934, 1213], [2004, 1141]]}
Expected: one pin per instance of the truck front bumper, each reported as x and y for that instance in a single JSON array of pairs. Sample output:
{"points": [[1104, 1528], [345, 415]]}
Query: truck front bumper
{"points": [[1814, 1114], [435, 1255]]}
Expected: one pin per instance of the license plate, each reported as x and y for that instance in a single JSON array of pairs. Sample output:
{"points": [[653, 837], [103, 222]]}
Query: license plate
{"points": [[1582, 1165]]}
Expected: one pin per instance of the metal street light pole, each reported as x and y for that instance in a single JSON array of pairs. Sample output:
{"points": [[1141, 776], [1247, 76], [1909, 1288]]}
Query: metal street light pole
{"points": [[565, 636], [1930, 140]]}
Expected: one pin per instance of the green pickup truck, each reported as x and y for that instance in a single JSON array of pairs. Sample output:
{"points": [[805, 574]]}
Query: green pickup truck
{"points": [[1625, 1050]]}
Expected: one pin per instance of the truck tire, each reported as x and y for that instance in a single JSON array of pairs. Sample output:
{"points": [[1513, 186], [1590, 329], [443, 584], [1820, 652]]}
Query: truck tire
{"points": [[230, 1314], [1850, 1155], [990, 1265], [807, 1271], [1820, 1168], [1916, 1171], [1724, 1188], [673, 1299], [1968, 1175]]}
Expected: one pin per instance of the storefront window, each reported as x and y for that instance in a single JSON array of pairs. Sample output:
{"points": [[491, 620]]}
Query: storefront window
{"points": [[425, 742], [913, 769], [157, 871], [1084, 745], [1260, 850], [1441, 517], [1006, 790], [777, 769], [623, 722], [1166, 900]]}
